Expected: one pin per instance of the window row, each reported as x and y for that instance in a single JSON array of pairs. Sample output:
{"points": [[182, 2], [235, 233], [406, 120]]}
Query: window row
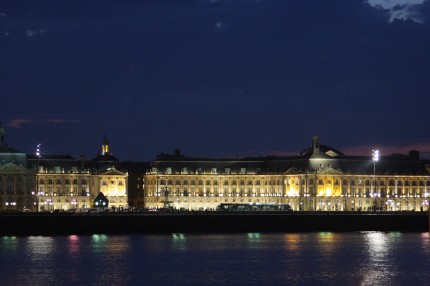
{"points": [[163, 182], [61, 181]]}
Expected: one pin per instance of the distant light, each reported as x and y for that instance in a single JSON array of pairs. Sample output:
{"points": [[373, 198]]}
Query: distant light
{"points": [[375, 155], [38, 146]]}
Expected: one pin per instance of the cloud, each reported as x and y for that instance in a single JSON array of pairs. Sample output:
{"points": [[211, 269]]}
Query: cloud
{"points": [[219, 25], [391, 3], [59, 121], [400, 9], [31, 33], [20, 122]]}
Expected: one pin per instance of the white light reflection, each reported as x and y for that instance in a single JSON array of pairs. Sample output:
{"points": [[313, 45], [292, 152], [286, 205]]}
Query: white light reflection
{"points": [[425, 239], [378, 269], [40, 245]]}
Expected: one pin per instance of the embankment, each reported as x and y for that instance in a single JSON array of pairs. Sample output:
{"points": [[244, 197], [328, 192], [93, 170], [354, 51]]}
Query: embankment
{"points": [[208, 222]]}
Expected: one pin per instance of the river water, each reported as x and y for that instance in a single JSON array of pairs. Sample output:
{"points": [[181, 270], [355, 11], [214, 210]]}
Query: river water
{"points": [[323, 258]]}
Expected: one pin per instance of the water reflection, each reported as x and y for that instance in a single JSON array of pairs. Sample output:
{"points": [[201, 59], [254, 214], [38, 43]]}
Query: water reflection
{"points": [[253, 239], [109, 245], [40, 246], [328, 241], [179, 242], [253, 236], [40, 251], [425, 240], [108, 257], [98, 242], [292, 241], [364, 258], [9, 243], [377, 267], [73, 245]]}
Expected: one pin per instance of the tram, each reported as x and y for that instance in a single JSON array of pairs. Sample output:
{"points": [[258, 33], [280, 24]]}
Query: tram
{"points": [[254, 207]]}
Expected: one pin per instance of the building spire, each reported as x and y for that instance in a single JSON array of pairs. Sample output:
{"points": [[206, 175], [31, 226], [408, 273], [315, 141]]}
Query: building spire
{"points": [[105, 145]]}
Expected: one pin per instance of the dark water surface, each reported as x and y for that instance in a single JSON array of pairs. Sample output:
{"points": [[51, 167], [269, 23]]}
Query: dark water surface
{"points": [[357, 258]]}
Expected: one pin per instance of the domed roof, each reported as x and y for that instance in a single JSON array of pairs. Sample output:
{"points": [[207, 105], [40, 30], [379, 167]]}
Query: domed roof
{"points": [[332, 152], [319, 149]]}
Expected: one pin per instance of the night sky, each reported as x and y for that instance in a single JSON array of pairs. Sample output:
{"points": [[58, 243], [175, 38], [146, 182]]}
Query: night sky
{"points": [[215, 78]]}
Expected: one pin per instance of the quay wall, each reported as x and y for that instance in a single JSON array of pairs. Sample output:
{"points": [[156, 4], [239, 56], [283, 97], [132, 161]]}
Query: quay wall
{"points": [[208, 222]]}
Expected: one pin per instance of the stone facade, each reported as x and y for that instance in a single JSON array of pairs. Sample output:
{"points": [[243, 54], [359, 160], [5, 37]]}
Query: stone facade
{"points": [[77, 190], [16, 188], [17, 182], [318, 178]]}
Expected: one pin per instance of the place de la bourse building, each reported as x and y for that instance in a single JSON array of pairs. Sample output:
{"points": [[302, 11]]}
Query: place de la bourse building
{"points": [[318, 178]]}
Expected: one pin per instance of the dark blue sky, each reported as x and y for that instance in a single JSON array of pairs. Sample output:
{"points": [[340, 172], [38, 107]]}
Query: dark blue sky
{"points": [[214, 78]]}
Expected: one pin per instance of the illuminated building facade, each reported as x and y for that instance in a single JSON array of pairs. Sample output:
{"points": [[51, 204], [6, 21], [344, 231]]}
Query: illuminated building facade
{"points": [[64, 183], [318, 178], [77, 189], [113, 185], [16, 181]]}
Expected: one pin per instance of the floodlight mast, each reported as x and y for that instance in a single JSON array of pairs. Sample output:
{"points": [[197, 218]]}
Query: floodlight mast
{"points": [[375, 158]]}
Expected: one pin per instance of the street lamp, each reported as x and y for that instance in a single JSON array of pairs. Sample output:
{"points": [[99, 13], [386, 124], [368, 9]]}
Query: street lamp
{"points": [[38, 150], [38, 155], [375, 158], [156, 192]]}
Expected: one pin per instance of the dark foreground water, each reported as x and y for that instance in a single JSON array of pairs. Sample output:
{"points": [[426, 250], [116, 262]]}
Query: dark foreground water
{"points": [[360, 258]]}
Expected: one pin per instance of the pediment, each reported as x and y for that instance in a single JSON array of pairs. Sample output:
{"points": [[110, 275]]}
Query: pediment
{"points": [[330, 171], [113, 172], [291, 171]]}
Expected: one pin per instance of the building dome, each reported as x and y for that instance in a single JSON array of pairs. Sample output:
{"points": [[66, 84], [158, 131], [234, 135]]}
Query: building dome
{"points": [[317, 149], [332, 152]]}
